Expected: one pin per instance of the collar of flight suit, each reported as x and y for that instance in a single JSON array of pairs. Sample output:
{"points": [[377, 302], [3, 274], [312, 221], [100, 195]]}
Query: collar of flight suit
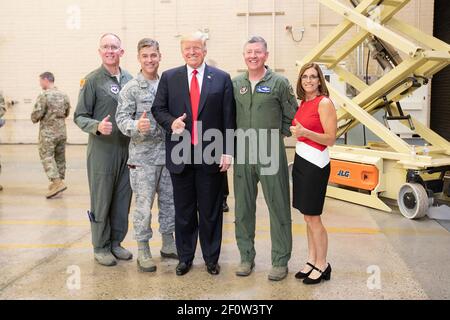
{"points": [[106, 72], [266, 77]]}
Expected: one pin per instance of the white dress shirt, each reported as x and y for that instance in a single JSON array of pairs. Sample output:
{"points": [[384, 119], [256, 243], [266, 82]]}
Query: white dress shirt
{"points": [[201, 72]]}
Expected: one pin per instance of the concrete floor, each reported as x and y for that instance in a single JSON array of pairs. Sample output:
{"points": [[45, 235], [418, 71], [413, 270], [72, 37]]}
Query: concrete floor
{"points": [[45, 243]]}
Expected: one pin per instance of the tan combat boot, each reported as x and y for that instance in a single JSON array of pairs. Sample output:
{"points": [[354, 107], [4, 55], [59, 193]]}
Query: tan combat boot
{"points": [[168, 250], [144, 261], [55, 187], [105, 259], [278, 273], [245, 268], [120, 252]]}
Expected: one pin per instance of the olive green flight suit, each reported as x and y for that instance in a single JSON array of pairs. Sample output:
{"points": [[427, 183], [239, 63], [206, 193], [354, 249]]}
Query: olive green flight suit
{"points": [[272, 105], [107, 155]]}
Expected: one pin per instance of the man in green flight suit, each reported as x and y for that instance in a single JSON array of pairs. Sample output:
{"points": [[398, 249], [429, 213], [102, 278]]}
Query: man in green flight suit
{"points": [[265, 107], [107, 153]]}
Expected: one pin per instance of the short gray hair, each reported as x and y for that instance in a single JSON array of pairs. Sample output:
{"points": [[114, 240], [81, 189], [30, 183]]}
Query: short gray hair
{"points": [[47, 75], [111, 34], [257, 39], [147, 42]]}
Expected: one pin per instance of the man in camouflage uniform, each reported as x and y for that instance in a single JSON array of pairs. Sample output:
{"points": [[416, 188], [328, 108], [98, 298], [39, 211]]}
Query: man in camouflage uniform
{"points": [[148, 173], [2, 121], [51, 109], [2, 106], [107, 153]]}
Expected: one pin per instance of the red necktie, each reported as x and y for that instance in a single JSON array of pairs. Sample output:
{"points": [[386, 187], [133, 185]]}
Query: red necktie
{"points": [[195, 99]]}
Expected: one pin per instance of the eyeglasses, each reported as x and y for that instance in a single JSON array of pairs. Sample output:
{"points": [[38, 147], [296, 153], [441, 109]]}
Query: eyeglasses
{"points": [[306, 77], [112, 48]]}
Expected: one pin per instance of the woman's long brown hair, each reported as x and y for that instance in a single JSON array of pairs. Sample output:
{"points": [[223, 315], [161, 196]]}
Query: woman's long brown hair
{"points": [[323, 90]]}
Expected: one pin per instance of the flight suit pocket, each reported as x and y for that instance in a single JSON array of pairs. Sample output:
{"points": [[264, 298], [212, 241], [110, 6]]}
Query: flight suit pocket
{"points": [[271, 109], [238, 170], [110, 92], [100, 163]]}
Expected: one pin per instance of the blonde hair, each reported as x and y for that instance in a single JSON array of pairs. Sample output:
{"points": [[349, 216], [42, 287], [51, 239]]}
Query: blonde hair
{"points": [[196, 36]]}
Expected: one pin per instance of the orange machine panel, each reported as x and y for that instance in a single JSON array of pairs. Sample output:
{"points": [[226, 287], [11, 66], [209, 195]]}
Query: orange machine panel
{"points": [[353, 174]]}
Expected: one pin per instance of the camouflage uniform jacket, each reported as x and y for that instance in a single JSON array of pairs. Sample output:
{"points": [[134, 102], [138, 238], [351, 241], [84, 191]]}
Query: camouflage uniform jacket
{"points": [[51, 108], [2, 106], [136, 97]]}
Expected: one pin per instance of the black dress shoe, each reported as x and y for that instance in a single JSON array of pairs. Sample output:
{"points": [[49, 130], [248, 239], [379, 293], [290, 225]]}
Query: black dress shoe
{"points": [[324, 275], [303, 275], [213, 268], [225, 206], [183, 268]]}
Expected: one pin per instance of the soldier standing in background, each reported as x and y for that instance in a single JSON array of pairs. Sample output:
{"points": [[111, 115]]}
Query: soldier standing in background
{"points": [[2, 122], [148, 173], [51, 109], [107, 153], [2, 106]]}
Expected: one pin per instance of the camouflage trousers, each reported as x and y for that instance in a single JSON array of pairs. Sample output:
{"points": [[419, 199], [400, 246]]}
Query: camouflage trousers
{"points": [[146, 182], [52, 152]]}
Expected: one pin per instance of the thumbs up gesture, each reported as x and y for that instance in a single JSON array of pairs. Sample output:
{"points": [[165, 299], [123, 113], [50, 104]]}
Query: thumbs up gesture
{"points": [[143, 124], [298, 130], [178, 125], [105, 126]]}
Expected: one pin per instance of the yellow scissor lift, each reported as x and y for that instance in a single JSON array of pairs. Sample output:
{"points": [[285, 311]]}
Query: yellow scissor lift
{"points": [[410, 174]]}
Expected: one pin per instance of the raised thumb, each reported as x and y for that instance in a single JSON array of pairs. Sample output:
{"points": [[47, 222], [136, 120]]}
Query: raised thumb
{"points": [[183, 116], [296, 122], [106, 119], [144, 115]]}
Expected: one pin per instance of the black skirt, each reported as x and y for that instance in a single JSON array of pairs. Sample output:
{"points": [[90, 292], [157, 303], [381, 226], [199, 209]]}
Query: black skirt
{"points": [[309, 184]]}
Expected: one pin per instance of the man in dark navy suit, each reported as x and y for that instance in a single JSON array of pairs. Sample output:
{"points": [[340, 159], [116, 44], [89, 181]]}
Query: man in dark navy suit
{"points": [[191, 100]]}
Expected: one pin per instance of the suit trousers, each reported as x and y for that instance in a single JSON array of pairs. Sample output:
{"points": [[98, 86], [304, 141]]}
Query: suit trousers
{"points": [[198, 198]]}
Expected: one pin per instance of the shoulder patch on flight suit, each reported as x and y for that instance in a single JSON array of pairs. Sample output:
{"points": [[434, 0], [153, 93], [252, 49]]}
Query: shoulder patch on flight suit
{"points": [[82, 82]]}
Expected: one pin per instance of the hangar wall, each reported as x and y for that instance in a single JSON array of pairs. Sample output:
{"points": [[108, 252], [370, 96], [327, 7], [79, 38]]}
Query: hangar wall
{"points": [[62, 37]]}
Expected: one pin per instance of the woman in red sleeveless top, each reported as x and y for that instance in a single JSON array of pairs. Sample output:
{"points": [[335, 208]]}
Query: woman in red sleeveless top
{"points": [[314, 126]]}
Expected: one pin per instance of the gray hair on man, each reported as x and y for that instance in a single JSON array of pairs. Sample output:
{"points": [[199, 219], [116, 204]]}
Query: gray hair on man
{"points": [[111, 34], [147, 42], [257, 39]]}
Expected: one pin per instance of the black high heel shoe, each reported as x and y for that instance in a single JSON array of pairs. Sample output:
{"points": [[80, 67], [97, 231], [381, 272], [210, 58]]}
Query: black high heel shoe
{"points": [[324, 275], [303, 275]]}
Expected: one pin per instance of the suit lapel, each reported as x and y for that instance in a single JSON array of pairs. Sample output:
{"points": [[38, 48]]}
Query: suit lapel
{"points": [[206, 85], [184, 87]]}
